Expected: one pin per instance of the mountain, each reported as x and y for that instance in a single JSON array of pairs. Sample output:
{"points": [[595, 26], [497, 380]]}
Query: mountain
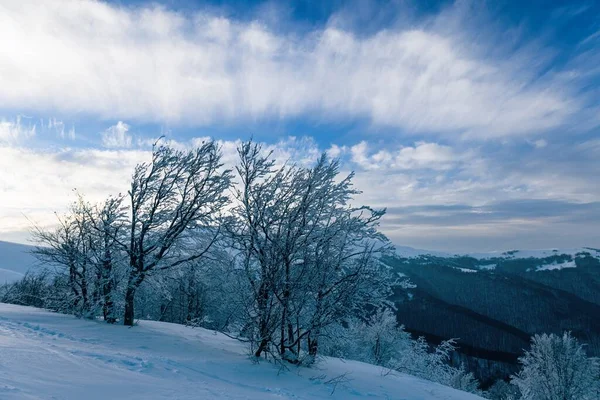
{"points": [[50, 355], [15, 261], [494, 302]]}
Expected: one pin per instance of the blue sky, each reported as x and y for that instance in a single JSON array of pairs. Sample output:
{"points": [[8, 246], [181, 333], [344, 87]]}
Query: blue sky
{"points": [[475, 123]]}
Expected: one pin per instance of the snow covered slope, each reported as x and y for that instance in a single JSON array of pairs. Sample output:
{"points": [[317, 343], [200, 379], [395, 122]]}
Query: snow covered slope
{"points": [[52, 356], [15, 260], [411, 252]]}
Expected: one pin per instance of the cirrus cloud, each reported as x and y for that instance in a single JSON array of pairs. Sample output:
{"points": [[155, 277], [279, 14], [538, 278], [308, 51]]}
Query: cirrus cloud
{"points": [[154, 64]]}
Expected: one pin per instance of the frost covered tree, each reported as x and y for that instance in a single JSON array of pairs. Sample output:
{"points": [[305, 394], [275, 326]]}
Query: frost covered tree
{"points": [[308, 255], [66, 248], [175, 203], [108, 224], [345, 275], [81, 250], [557, 368], [257, 234]]}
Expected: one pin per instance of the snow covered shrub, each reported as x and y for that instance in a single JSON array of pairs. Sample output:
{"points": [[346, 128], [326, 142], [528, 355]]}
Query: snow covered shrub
{"points": [[31, 290], [557, 368], [380, 341], [502, 390]]}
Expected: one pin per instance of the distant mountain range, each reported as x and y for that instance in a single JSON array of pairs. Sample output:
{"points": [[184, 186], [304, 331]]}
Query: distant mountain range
{"points": [[494, 302], [411, 252]]}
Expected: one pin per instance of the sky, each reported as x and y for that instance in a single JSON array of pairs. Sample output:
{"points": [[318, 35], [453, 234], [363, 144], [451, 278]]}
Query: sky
{"points": [[476, 124]]}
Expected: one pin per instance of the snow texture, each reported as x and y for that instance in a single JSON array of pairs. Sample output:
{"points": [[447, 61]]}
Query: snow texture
{"points": [[518, 254], [53, 356], [409, 252], [466, 270], [556, 266]]}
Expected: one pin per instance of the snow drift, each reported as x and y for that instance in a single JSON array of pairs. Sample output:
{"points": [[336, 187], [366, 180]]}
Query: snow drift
{"points": [[47, 355]]}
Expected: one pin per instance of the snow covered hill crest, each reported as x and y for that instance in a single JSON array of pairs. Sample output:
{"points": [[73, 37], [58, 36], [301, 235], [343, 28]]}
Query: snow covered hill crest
{"points": [[47, 355], [545, 259], [410, 252], [15, 261]]}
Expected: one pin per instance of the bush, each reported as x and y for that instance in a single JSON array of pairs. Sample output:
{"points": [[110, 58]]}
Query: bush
{"points": [[557, 368]]}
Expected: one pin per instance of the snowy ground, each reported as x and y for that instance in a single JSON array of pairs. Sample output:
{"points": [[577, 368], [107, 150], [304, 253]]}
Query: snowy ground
{"points": [[51, 356]]}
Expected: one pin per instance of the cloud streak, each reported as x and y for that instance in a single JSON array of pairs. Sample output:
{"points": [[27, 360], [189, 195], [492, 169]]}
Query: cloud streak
{"points": [[153, 64], [116, 136], [14, 131]]}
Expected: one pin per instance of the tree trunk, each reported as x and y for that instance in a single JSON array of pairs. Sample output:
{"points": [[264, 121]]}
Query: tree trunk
{"points": [[84, 295], [263, 327], [261, 347], [284, 311], [129, 304], [108, 308], [135, 279], [73, 285], [313, 346]]}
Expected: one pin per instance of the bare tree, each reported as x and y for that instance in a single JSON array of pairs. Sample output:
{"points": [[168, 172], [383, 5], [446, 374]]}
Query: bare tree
{"points": [[264, 190], [175, 204], [66, 248], [108, 222], [305, 251]]}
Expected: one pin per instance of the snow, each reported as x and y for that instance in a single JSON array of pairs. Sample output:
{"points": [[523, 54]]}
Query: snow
{"points": [[409, 252], [53, 356], [15, 261], [466, 270], [542, 253], [556, 266]]}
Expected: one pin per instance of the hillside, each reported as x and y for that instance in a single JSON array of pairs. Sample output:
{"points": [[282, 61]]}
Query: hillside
{"points": [[47, 355], [494, 302], [15, 261]]}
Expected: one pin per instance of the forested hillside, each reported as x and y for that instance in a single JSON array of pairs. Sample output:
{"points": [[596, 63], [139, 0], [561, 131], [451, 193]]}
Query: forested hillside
{"points": [[493, 305]]}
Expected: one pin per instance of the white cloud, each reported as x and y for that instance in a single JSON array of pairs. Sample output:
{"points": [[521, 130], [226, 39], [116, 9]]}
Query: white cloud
{"points": [[116, 136], [423, 155], [151, 64], [35, 183], [336, 151], [12, 132], [359, 154], [58, 127]]}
